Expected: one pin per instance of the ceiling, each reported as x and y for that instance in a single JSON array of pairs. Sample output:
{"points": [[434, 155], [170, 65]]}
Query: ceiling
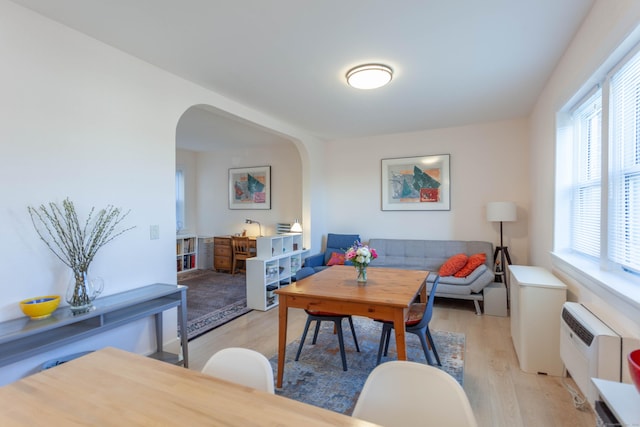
{"points": [[456, 62]]}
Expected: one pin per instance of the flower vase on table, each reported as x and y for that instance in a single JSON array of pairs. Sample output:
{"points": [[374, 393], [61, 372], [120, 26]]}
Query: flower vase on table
{"points": [[362, 273], [82, 291], [360, 256]]}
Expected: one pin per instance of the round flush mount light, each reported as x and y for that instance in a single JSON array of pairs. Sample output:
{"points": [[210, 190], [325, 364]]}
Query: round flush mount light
{"points": [[369, 76]]}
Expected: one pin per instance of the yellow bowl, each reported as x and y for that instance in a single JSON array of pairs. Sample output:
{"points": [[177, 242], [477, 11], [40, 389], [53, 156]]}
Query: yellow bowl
{"points": [[40, 307]]}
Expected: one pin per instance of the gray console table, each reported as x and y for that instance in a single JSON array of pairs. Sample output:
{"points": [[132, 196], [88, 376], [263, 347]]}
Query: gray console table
{"points": [[23, 337]]}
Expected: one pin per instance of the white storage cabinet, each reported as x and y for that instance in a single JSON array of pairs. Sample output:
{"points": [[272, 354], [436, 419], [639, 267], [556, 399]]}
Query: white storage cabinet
{"points": [[537, 297], [278, 258], [205, 253]]}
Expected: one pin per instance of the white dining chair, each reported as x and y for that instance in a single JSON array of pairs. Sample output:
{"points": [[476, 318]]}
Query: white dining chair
{"points": [[242, 366], [401, 393]]}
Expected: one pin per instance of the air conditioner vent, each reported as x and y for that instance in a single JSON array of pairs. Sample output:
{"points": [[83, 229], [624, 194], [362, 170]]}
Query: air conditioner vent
{"points": [[576, 327]]}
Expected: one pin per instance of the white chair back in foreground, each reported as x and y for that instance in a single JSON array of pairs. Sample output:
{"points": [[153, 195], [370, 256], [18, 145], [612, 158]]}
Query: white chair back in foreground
{"points": [[401, 393], [242, 366]]}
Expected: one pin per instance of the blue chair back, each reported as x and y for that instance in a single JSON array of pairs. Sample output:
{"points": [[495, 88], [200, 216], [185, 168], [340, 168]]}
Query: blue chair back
{"points": [[428, 311], [339, 243]]}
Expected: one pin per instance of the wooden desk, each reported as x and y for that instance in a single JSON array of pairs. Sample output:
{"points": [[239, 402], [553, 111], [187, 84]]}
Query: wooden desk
{"points": [[111, 387], [386, 296], [223, 252]]}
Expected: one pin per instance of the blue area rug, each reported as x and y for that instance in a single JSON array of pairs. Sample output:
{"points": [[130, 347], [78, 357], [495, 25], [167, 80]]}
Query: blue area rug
{"points": [[318, 379]]}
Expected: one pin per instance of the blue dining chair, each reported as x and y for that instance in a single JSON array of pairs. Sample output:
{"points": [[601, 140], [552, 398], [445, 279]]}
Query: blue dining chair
{"points": [[417, 323], [321, 316]]}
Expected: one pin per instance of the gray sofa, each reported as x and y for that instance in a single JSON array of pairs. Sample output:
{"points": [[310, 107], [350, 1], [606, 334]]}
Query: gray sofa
{"points": [[430, 255]]}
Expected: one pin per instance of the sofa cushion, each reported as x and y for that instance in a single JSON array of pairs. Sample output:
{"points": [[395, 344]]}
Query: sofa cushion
{"points": [[473, 262], [453, 265], [336, 259]]}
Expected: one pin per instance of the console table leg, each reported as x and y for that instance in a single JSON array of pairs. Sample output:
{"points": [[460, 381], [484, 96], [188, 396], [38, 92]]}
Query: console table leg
{"points": [[182, 317]]}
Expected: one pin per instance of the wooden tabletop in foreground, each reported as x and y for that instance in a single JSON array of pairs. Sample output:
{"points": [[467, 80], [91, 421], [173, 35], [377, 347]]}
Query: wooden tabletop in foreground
{"points": [[111, 387]]}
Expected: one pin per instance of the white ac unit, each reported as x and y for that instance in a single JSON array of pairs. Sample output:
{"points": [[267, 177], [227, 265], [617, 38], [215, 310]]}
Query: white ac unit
{"points": [[588, 349]]}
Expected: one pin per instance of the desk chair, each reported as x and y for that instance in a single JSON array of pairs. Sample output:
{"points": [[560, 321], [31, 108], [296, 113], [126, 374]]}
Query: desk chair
{"points": [[401, 393], [241, 366], [417, 323], [241, 251]]}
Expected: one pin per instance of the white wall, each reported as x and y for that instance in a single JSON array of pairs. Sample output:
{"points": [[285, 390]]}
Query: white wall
{"points": [[488, 163], [188, 161], [208, 191], [214, 215], [604, 30], [83, 120]]}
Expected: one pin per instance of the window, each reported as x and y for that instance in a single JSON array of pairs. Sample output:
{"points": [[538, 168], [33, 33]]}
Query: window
{"points": [[624, 200], [180, 225], [585, 206], [605, 171]]}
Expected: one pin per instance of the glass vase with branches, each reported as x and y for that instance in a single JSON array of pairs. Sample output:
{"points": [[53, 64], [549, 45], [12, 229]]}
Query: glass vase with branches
{"points": [[76, 243]]}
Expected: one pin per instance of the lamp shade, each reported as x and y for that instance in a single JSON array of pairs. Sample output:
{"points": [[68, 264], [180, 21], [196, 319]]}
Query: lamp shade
{"points": [[501, 211], [296, 227]]}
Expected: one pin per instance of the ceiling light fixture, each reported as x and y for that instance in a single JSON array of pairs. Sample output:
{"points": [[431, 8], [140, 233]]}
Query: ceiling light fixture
{"points": [[369, 76]]}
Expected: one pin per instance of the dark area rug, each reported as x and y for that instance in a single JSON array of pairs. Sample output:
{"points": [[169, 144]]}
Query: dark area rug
{"points": [[318, 379], [213, 299]]}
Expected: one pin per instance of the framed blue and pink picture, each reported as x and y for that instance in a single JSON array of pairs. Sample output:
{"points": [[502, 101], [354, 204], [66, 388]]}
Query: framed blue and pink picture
{"points": [[416, 183], [250, 188]]}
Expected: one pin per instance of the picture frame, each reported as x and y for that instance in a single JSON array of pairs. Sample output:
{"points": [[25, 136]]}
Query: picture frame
{"points": [[250, 188], [416, 183]]}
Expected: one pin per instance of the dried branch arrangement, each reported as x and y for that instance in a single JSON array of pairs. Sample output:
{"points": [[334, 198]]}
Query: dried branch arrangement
{"points": [[74, 244]]}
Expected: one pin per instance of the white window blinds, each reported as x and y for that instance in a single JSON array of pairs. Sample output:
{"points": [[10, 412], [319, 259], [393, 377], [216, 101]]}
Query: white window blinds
{"points": [[585, 215], [624, 167]]}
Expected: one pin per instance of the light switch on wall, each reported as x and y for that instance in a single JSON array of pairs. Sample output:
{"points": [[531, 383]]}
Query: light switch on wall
{"points": [[154, 232]]}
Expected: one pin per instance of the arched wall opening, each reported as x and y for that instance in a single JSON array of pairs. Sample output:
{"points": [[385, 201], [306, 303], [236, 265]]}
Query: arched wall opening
{"points": [[209, 141]]}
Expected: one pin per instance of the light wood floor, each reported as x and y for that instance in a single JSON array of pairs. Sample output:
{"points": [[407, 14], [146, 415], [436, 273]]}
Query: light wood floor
{"points": [[499, 392]]}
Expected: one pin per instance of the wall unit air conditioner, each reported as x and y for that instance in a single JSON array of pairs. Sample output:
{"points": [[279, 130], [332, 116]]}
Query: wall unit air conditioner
{"points": [[589, 349]]}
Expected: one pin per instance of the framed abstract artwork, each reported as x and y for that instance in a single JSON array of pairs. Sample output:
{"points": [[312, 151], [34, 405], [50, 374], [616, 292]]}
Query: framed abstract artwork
{"points": [[416, 183], [250, 188]]}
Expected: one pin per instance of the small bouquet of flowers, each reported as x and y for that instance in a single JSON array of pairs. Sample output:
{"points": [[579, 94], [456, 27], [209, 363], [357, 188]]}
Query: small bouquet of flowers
{"points": [[360, 255]]}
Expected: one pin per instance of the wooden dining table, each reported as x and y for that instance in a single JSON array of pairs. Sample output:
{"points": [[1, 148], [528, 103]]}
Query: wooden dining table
{"points": [[386, 295], [112, 387]]}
